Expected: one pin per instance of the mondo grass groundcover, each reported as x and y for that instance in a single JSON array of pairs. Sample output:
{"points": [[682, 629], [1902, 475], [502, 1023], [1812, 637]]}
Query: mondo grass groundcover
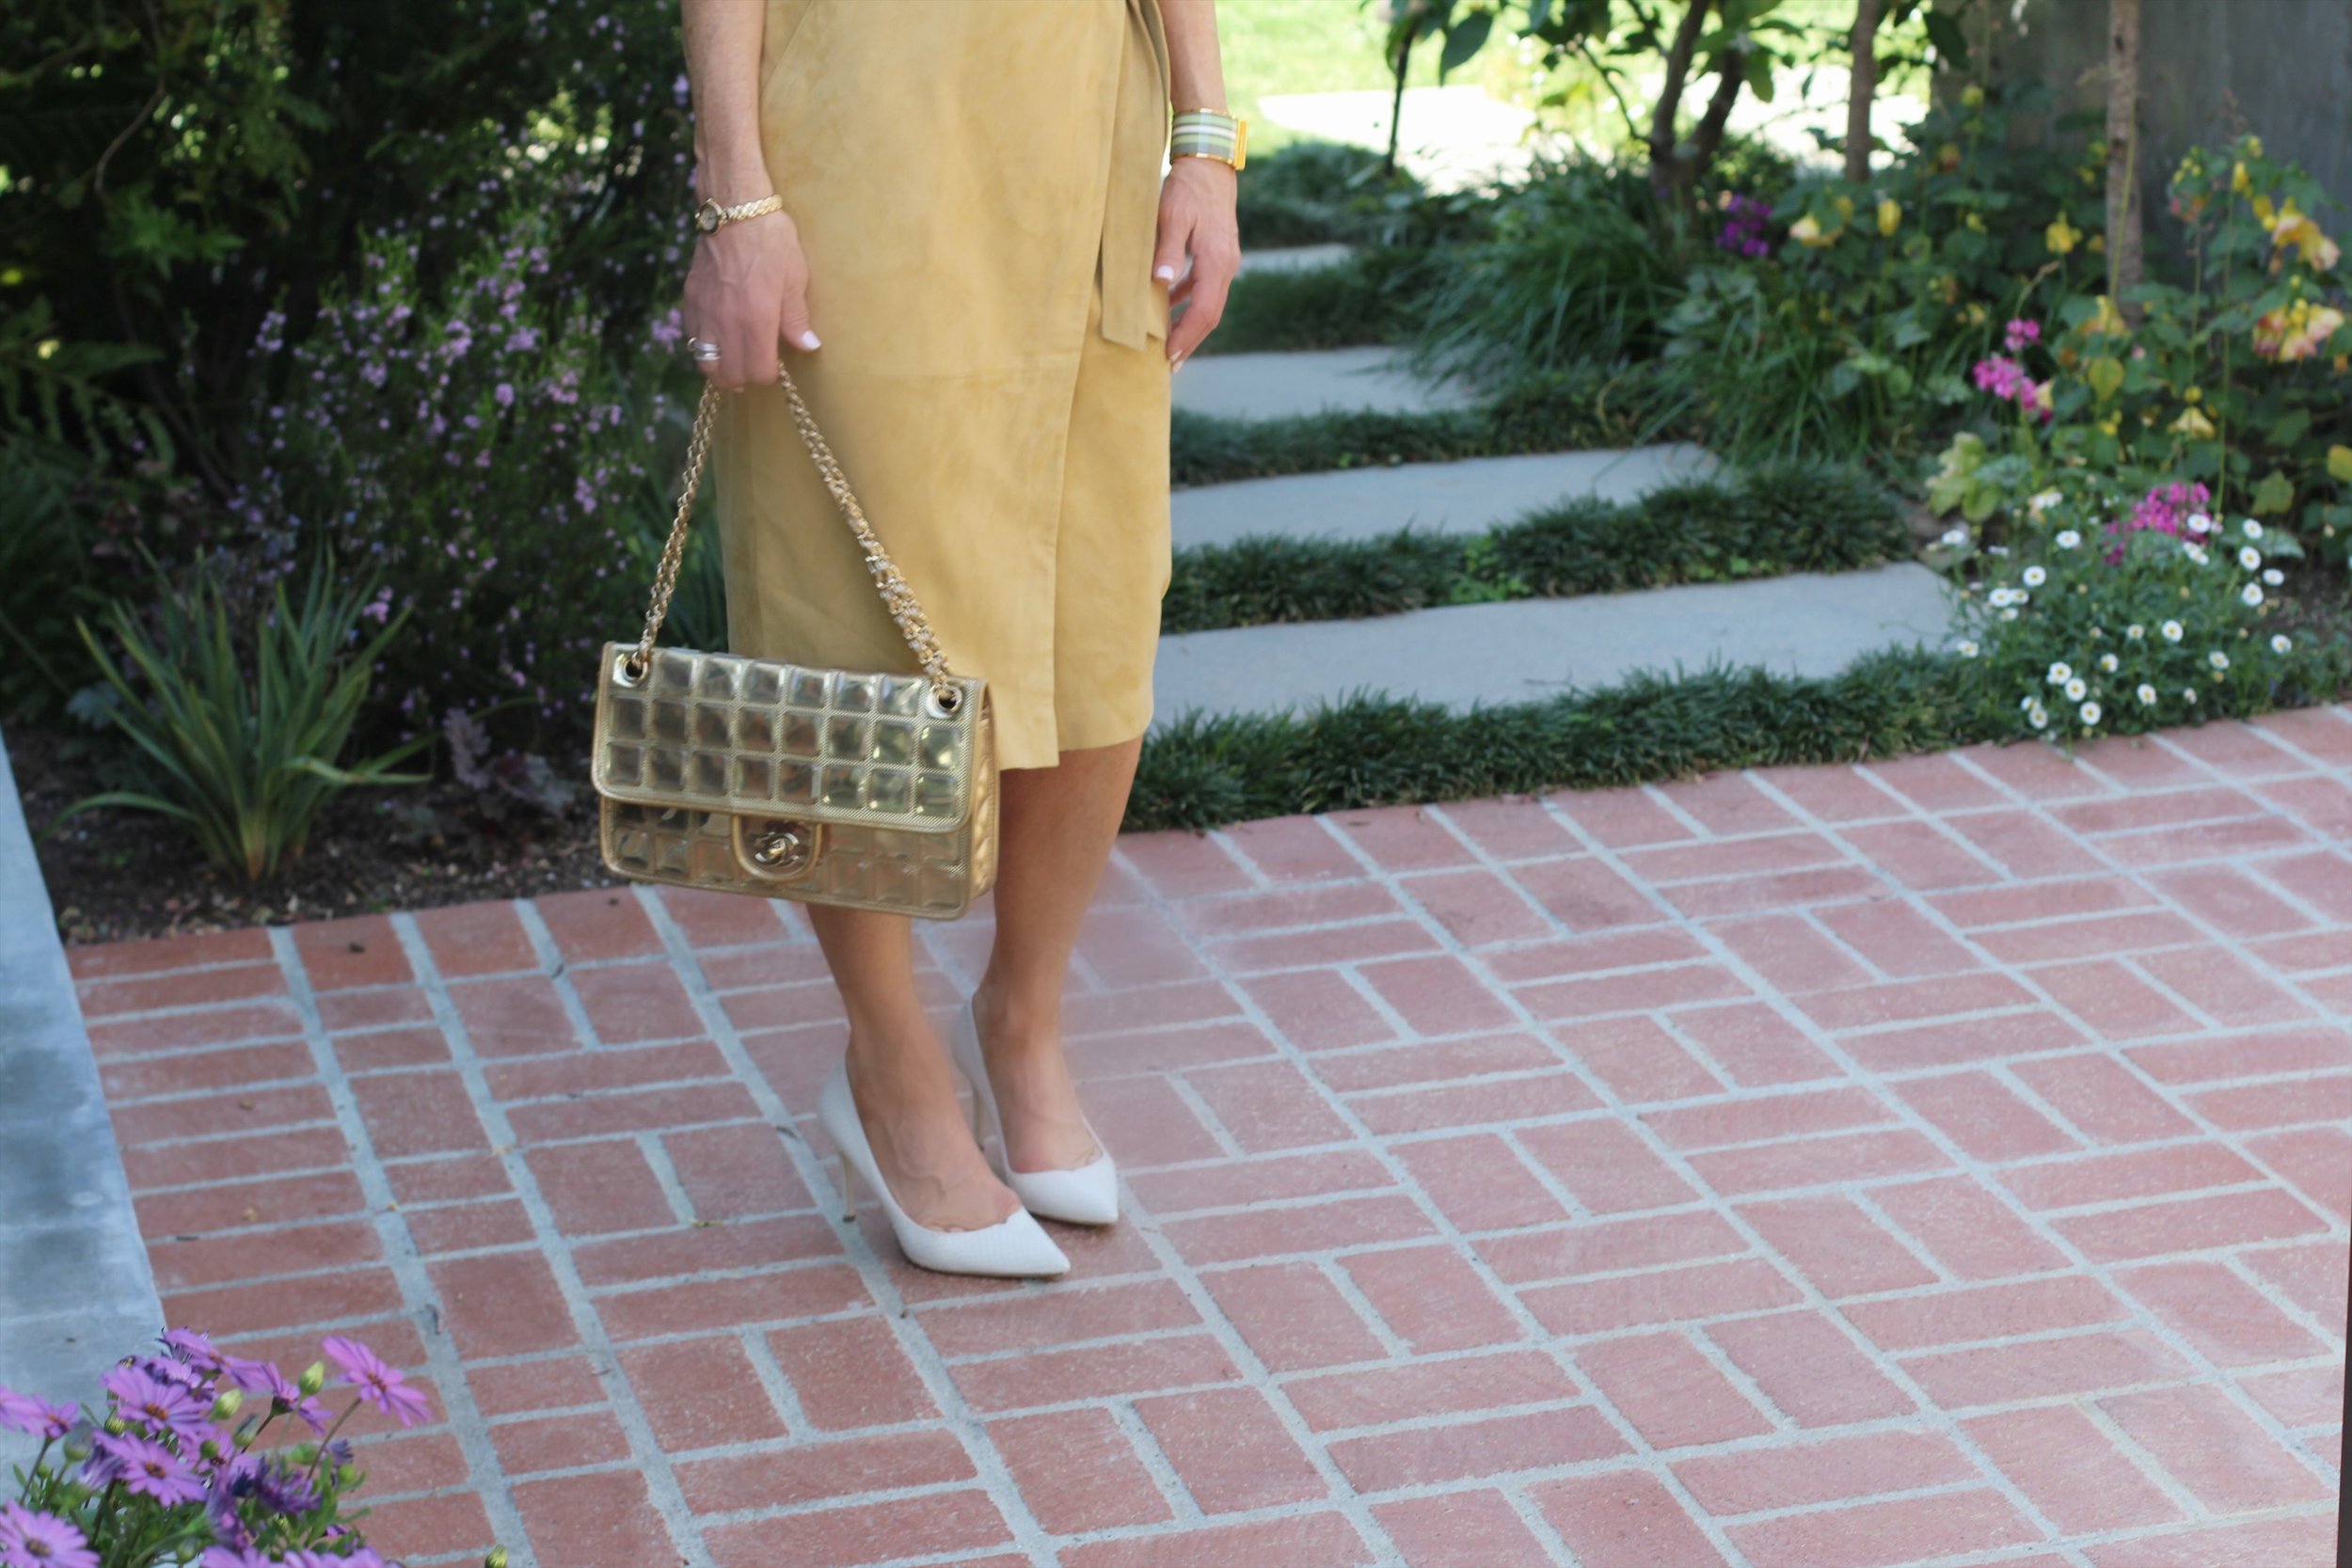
{"points": [[1773, 521], [1369, 750], [1580, 409]]}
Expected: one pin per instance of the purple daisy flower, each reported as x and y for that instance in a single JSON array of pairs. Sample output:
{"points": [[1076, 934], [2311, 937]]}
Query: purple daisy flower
{"points": [[163, 1406], [41, 1540], [262, 1377], [239, 1557], [193, 1348], [30, 1413], [144, 1468], [377, 1383]]}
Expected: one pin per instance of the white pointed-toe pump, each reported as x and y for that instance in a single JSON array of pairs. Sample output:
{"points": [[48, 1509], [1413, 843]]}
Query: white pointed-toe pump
{"points": [[1014, 1245], [1084, 1194]]}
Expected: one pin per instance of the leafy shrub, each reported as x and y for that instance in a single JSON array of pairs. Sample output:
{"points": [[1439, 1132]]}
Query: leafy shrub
{"points": [[241, 730], [204, 1458], [1316, 193], [1371, 297], [2099, 620], [470, 443], [1567, 266]]}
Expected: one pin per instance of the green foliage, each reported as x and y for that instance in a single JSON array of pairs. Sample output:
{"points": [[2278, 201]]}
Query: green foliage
{"points": [[1575, 410], [1369, 750], [1565, 267], [241, 728], [1370, 297], [1315, 193], [472, 443], [1795, 519], [2082, 628], [1854, 339]]}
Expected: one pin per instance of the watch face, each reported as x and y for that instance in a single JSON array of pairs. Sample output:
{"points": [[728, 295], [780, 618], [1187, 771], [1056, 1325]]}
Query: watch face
{"points": [[707, 216]]}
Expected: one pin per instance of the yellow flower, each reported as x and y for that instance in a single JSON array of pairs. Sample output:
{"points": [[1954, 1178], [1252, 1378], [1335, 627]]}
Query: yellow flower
{"points": [[2263, 209], [2096, 245], [1972, 96], [2296, 331], [2107, 320], [2195, 394], [2254, 147], [1948, 157], [2238, 181], [1976, 221], [1890, 216], [1807, 231], [2062, 236], [2193, 424], [2293, 226]]}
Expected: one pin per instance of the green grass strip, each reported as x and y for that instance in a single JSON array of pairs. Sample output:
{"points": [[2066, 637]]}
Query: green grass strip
{"points": [[1368, 298], [1788, 518], [1578, 410], [1205, 772]]}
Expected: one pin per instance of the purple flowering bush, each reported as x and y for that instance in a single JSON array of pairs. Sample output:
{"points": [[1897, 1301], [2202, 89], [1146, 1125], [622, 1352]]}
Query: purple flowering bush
{"points": [[474, 446], [201, 1459]]}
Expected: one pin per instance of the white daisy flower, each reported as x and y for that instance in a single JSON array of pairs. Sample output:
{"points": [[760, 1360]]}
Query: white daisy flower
{"points": [[1956, 535], [2037, 716], [2249, 558], [2045, 500], [2194, 553], [2253, 528], [2035, 577], [2252, 592], [2061, 673], [2134, 631], [2147, 695], [2219, 660], [2089, 712], [1967, 648], [1996, 549], [2009, 615], [2189, 692], [2274, 576], [2199, 523], [2109, 664], [2172, 631], [2281, 643], [2027, 702], [2067, 539], [2077, 689]]}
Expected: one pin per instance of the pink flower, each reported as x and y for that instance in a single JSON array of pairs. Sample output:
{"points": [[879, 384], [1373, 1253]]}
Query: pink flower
{"points": [[2020, 333], [162, 1406], [142, 1467], [29, 1413], [377, 1383]]}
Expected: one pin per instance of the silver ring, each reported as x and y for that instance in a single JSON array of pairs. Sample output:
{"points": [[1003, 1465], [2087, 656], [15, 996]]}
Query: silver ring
{"points": [[703, 350]]}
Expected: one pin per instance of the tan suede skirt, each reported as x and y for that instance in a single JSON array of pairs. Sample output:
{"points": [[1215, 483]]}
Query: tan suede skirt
{"points": [[976, 183]]}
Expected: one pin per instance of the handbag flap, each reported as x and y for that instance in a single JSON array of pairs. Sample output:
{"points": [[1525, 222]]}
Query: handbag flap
{"points": [[724, 732]]}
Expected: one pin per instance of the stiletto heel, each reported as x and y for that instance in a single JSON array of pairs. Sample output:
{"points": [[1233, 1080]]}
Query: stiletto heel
{"points": [[1012, 1246], [1084, 1194]]}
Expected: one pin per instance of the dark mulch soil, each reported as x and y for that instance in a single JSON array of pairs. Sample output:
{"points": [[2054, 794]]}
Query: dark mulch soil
{"points": [[116, 875]]}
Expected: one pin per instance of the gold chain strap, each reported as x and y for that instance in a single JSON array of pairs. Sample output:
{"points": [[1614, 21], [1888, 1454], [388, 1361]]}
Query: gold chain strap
{"points": [[897, 598]]}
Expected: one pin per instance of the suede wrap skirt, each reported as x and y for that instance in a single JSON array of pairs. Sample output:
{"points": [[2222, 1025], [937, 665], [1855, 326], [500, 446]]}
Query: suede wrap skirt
{"points": [[976, 185]]}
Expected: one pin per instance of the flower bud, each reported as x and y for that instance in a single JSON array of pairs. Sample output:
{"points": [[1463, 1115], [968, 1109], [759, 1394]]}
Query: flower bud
{"points": [[496, 1557], [227, 1406], [115, 1426], [346, 1477], [313, 1378]]}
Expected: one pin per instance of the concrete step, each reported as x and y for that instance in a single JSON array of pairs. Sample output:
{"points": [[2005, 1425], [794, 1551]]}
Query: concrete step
{"points": [[1467, 655], [1296, 258], [1469, 497], [1273, 385]]}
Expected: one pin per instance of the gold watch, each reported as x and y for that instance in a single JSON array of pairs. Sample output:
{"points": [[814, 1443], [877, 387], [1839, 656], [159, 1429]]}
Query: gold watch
{"points": [[710, 214]]}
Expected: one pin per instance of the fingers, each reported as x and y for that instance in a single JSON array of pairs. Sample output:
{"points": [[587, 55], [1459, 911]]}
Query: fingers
{"points": [[792, 326]]}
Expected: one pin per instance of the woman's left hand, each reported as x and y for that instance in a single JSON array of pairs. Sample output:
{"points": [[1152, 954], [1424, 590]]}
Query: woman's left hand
{"points": [[1196, 220]]}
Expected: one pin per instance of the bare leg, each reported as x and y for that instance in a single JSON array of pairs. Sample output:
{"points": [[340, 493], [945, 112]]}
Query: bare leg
{"points": [[900, 1077], [1056, 835]]}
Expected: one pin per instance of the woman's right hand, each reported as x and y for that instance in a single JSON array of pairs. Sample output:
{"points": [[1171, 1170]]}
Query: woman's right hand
{"points": [[747, 290]]}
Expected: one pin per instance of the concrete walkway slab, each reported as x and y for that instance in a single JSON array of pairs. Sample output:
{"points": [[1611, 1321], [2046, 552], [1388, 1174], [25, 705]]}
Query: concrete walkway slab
{"points": [[1296, 258], [1469, 497], [1941, 1159], [1467, 655], [1309, 381], [76, 1294]]}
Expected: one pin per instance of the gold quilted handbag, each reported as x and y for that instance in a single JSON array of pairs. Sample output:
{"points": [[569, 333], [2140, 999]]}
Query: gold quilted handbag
{"points": [[875, 789]]}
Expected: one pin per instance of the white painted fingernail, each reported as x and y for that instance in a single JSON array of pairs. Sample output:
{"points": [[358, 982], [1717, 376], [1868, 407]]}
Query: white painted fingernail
{"points": [[808, 340], [1165, 273]]}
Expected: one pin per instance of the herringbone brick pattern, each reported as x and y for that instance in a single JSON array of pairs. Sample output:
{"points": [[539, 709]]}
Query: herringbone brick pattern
{"points": [[1943, 1160]]}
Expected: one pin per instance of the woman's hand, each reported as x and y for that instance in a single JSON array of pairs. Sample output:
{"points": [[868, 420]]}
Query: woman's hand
{"points": [[747, 290], [1196, 220]]}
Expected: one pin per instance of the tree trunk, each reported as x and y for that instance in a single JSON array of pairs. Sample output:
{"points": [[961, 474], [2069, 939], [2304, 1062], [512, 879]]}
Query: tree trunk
{"points": [[1396, 100], [1662, 118], [1862, 88], [2123, 226]]}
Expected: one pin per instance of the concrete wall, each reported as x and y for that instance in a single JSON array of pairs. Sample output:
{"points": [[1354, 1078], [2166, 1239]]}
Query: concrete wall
{"points": [[2209, 68]]}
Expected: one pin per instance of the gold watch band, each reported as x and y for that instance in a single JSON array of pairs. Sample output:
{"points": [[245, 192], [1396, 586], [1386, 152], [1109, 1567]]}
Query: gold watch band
{"points": [[710, 214]]}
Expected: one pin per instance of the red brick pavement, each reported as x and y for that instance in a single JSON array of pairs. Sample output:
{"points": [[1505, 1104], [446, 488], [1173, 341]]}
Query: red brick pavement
{"points": [[1945, 1160]]}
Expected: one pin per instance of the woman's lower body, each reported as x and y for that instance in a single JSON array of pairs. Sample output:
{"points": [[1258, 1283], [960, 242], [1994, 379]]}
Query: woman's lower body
{"points": [[975, 187]]}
